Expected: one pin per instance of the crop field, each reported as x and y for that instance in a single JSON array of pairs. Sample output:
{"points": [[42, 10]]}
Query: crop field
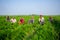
{"points": [[36, 31]]}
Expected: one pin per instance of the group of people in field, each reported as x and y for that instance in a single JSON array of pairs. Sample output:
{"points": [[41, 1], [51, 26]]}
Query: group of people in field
{"points": [[22, 21]]}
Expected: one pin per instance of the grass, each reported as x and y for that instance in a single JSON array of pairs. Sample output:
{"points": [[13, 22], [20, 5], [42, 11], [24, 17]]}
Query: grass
{"points": [[48, 31]]}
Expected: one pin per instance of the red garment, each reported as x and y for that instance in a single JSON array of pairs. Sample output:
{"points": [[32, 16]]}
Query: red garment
{"points": [[21, 20]]}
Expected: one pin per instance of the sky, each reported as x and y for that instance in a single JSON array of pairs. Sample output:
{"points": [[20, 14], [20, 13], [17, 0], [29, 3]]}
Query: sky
{"points": [[28, 7]]}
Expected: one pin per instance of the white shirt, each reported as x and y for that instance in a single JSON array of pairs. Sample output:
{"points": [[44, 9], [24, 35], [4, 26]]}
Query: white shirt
{"points": [[13, 20], [42, 20]]}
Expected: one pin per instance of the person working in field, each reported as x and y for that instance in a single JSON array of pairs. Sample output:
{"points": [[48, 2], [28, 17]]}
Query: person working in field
{"points": [[13, 20], [21, 21], [41, 20], [51, 19], [31, 20], [8, 18]]}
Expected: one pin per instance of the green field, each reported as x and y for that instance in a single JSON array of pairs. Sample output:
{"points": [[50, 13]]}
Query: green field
{"points": [[48, 31]]}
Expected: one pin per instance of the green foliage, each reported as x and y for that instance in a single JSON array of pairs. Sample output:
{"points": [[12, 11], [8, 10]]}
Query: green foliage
{"points": [[48, 31]]}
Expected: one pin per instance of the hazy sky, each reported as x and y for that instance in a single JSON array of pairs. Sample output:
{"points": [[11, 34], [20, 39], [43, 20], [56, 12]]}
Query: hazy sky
{"points": [[25, 7]]}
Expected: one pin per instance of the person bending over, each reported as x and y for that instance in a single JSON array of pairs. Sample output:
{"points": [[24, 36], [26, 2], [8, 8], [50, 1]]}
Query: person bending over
{"points": [[31, 20], [21, 21], [13, 20]]}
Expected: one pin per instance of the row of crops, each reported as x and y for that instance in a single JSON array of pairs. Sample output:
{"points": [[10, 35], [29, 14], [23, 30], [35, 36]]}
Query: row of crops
{"points": [[48, 31]]}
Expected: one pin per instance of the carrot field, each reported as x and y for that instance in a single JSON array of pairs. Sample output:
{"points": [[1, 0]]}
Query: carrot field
{"points": [[16, 31]]}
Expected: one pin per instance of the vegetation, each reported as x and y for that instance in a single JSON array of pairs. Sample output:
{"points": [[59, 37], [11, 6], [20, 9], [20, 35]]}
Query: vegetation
{"points": [[48, 31]]}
